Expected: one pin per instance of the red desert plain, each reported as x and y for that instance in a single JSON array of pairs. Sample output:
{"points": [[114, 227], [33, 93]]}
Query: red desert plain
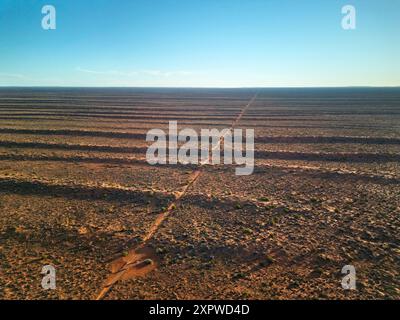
{"points": [[77, 193]]}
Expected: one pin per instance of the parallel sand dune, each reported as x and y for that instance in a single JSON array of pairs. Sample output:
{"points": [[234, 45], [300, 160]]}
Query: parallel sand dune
{"points": [[77, 193]]}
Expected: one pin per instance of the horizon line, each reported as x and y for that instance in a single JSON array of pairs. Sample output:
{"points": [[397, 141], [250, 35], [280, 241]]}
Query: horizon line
{"points": [[200, 87]]}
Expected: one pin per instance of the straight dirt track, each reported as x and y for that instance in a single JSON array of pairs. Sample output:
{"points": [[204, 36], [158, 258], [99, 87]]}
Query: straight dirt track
{"points": [[133, 262]]}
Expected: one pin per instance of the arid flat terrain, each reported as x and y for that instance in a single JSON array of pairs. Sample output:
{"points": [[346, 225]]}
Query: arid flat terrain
{"points": [[76, 192]]}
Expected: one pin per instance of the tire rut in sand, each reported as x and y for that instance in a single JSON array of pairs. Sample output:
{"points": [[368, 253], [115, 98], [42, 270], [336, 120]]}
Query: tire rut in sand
{"points": [[142, 259]]}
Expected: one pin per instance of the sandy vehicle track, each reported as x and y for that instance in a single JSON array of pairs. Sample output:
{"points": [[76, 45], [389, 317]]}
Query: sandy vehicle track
{"points": [[132, 264]]}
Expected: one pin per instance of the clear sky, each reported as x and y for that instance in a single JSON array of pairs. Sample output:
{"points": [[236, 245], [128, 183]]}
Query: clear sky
{"points": [[200, 43]]}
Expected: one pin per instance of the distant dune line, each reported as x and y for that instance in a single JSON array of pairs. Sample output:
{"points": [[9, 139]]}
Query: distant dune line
{"points": [[119, 113], [332, 157], [327, 140], [72, 147], [281, 155], [279, 109], [318, 173], [176, 99], [129, 116], [78, 133], [163, 118], [223, 102], [188, 115], [97, 160], [67, 105], [208, 121], [188, 109], [117, 100], [326, 174], [100, 121], [260, 139], [262, 123]]}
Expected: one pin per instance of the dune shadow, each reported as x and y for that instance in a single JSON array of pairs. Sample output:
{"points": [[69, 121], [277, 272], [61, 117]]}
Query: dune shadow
{"points": [[79, 192]]}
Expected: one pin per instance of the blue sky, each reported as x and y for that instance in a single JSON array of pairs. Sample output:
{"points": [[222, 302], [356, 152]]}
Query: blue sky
{"points": [[200, 43]]}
